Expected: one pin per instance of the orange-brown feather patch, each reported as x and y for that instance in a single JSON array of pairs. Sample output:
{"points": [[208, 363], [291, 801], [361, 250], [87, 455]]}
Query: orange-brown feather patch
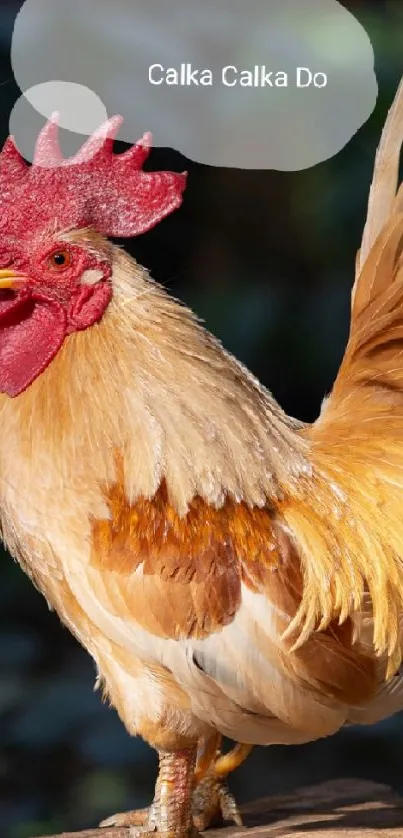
{"points": [[191, 566]]}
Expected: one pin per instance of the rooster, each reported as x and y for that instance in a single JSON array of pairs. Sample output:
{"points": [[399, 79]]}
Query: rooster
{"points": [[230, 570]]}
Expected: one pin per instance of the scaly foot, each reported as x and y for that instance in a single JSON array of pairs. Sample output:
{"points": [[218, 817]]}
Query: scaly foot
{"points": [[144, 823], [212, 802], [170, 814]]}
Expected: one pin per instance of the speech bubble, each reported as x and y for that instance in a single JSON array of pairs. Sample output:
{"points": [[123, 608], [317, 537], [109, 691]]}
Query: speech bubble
{"points": [[267, 84]]}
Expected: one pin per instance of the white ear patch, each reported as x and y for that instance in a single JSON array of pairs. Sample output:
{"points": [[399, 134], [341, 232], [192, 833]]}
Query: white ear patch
{"points": [[91, 277]]}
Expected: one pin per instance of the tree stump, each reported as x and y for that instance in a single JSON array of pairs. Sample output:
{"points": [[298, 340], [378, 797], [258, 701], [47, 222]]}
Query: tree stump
{"points": [[334, 809]]}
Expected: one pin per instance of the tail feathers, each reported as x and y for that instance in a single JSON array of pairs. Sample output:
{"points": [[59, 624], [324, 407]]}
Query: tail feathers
{"points": [[374, 353], [349, 525], [382, 203], [376, 333], [387, 702]]}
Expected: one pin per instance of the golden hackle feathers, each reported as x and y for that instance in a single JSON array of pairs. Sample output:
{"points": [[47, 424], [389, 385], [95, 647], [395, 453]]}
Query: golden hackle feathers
{"points": [[349, 532]]}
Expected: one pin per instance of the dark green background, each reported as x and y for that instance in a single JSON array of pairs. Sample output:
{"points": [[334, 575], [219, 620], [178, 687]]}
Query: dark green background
{"points": [[267, 259]]}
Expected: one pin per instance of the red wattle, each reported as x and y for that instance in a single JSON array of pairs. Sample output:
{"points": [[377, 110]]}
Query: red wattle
{"points": [[32, 330]]}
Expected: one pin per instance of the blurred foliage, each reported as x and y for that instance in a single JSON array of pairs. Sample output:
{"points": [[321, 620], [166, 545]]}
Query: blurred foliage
{"points": [[267, 260]]}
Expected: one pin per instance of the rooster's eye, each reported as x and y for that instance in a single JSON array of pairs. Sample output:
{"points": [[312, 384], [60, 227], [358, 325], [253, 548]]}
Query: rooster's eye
{"points": [[60, 259]]}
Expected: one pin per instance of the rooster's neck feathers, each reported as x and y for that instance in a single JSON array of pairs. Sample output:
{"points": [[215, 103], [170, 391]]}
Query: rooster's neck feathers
{"points": [[150, 380]]}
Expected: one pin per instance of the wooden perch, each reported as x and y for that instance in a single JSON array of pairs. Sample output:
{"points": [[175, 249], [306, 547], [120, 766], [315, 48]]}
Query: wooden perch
{"points": [[335, 809]]}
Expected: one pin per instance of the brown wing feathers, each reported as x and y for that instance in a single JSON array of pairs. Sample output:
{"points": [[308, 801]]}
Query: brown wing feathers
{"points": [[191, 566]]}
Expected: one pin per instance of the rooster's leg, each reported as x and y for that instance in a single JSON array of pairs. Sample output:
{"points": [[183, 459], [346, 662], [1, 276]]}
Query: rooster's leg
{"points": [[170, 814], [213, 803]]}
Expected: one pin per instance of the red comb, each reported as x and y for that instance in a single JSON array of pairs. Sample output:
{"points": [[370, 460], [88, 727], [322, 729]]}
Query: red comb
{"points": [[95, 188]]}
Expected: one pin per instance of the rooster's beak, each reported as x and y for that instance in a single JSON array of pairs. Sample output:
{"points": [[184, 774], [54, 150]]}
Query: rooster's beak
{"points": [[10, 278]]}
